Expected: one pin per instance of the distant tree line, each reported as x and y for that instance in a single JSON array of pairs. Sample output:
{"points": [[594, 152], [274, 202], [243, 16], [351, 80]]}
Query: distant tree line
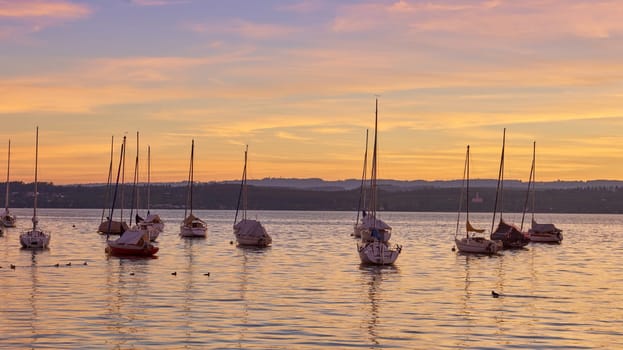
{"points": [[225, 196]]}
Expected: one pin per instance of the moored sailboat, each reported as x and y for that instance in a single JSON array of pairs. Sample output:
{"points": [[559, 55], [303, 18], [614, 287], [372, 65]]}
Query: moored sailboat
{"points": [[110, 226], [374, 247], [547, 233], [7, 219], [134, 241], [510, 235], [248, 232], [471, 243], [35, 238], [152, 222], [192, 226]]}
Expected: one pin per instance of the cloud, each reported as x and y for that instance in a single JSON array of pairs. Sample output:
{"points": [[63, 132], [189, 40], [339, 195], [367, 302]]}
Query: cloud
{"points": [[244, 29], [159, 2], [530, 19], [21, 18]]}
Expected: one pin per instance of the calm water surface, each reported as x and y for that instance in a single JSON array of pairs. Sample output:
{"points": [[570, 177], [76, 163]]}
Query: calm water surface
{"points": [[308, 291]]}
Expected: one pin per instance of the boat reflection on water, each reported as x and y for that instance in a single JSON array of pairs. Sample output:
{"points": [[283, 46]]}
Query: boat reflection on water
{"points": [[34, 295], [127, 279], [252, 259], [372, 277]]}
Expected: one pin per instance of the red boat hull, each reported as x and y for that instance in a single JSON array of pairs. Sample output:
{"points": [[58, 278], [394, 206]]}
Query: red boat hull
{"points": [[128, 250]]}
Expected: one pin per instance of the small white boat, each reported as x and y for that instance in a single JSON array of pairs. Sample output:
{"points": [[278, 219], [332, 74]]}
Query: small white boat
{"points": [[7, 219], [471, 243], [35, 238], [152, 223], [248, 232], [192, 226], [374, 247], [545, 233]]}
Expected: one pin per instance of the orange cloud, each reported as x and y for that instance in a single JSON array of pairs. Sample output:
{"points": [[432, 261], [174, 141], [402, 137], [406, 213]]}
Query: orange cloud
{"points": [[245, 29], [28, 9]]}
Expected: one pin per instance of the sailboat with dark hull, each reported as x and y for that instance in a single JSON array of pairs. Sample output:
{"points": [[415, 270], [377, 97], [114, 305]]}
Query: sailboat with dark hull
{"points": [[111, 226], [546, 233], [471, 243], [248, 232], [510, 235], [192, 226], [374, 247], [7, 219]]}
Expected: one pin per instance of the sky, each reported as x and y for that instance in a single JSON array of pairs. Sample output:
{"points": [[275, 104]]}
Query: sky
{"points": [[297, 82]]}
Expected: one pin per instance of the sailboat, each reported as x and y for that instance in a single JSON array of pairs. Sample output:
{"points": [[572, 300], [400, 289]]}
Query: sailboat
{"points": [[248, 232], [192, 226], [374, 247], [35, 238], [134, 241], [539, 232], [358, 226], [7, 219], [471, 243], [152, 222], [510, 235], [111, 226]]}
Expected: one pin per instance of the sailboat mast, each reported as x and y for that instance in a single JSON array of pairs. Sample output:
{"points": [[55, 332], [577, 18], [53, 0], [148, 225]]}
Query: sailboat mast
{"points": [[529, 192], [108, 182], [458, 215], [245, 188], [243, 184], [373, 194], [8, 168], [134, 200], [114, 197], [148, 178], [467, 193], [122, 180], [192, 174], [362, 198], [35, 220], [533, 178], [499, 187]]}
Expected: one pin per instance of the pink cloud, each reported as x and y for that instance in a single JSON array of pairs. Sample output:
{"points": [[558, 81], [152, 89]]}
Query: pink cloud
{"points": [[29, 9], [533, 19], [159, 2], [245, 29]]}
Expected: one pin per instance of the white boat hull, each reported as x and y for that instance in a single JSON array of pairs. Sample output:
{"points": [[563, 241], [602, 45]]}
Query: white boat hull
{"points": [[478, 245], [545, 237], [8, 220], [378, 253], [186, 231], [34, 239]]}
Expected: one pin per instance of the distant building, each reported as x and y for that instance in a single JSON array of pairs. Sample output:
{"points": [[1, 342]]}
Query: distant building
{"points": [[477, 198]]}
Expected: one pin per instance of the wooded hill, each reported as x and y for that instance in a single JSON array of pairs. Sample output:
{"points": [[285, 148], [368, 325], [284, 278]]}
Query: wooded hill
{"points": [[225, 196]]}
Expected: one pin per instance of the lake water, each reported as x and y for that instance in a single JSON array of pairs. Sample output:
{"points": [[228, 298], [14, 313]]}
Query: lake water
{"points": [[309, 291]]}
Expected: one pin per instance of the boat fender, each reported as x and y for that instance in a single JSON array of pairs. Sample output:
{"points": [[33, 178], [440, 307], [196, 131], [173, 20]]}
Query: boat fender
{"points": [[490, 247]]}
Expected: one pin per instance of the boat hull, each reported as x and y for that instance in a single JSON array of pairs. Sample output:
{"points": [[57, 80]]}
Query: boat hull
{"points": [[378, 253], [545, 237], [131, 250], [478, 245], [8, 220], [116, 227], [186, 231], [35, 239]]}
